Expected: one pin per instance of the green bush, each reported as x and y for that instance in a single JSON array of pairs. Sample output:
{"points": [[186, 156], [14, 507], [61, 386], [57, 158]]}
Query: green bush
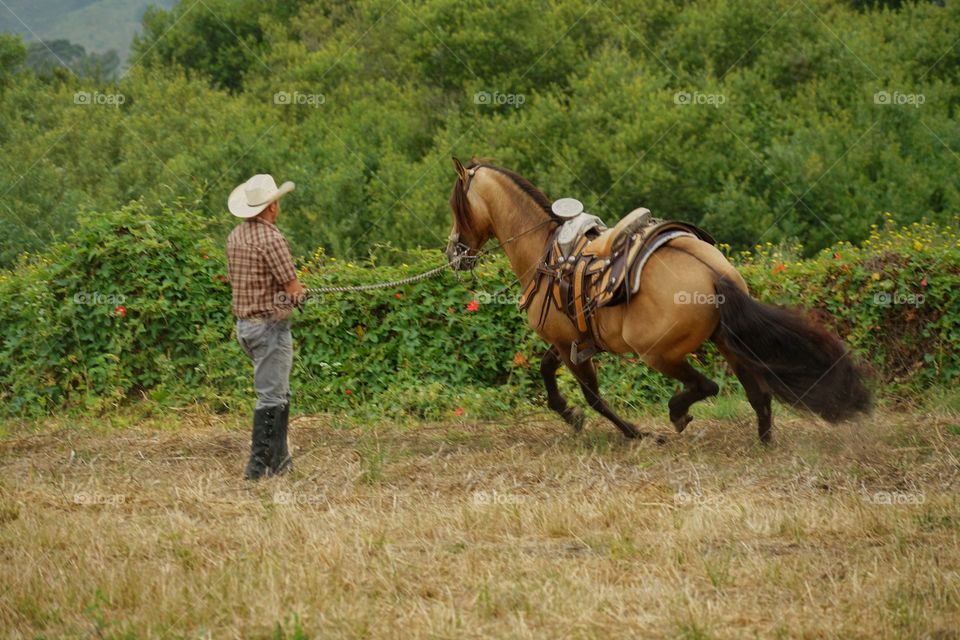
{"points": [[136, 304], [800, 148], [131, 303]]}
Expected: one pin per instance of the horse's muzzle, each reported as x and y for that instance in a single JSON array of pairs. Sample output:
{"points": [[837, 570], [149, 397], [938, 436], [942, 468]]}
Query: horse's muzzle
{"points": [[458, 254]]}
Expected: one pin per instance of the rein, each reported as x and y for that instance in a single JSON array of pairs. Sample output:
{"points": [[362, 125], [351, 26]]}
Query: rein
{"points": [[523, 233]]}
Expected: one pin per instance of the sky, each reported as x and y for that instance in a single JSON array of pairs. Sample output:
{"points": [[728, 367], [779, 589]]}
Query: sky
{"points": [[98, 25]]}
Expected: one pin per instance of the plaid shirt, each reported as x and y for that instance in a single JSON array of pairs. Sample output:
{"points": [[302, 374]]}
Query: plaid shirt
{"points": [[259, 263]]}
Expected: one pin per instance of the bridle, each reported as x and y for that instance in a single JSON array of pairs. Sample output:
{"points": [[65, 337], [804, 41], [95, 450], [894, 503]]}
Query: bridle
{"points": [[461, 251]]}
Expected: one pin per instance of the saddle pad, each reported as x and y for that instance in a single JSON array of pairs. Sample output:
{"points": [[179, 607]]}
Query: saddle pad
{"points": [[655, 244]]}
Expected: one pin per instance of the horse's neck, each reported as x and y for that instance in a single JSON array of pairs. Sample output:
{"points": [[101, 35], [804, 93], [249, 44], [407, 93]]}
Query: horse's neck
{"points": [[524, 240]]}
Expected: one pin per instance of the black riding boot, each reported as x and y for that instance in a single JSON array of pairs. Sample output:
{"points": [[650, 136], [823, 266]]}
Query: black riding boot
{"points": [[280, 460], [263, 428]]}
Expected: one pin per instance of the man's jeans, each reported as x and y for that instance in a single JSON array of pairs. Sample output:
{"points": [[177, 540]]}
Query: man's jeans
{"points": [[270, 346]]}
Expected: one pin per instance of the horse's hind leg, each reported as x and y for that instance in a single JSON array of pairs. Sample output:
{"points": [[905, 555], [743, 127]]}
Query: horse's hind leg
{"points": [[759, 400], [555, 400], [759, 397], [696, 386]]}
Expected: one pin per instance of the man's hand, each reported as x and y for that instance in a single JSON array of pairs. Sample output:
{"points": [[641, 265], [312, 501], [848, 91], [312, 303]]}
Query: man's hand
{"points": [[296, 291]]}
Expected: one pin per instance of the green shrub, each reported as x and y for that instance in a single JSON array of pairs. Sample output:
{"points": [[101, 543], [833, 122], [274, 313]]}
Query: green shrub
{"points": [[137, 304], [802, 147], [131, 303]]}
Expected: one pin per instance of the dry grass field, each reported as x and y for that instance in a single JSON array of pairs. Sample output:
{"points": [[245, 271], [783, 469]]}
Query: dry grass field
{"points": [[143, 528]]}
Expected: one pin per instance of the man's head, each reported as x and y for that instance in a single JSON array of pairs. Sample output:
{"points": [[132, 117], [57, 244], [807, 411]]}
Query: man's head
{"points": [[255, 196], [271, 212]]}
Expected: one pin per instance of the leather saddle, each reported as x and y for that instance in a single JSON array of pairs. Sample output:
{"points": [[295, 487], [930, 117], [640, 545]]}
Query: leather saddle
{"points": [[602, 270], [603, 245]]}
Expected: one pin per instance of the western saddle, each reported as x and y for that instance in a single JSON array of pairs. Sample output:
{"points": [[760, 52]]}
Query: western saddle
{"points": [[602, 270]]}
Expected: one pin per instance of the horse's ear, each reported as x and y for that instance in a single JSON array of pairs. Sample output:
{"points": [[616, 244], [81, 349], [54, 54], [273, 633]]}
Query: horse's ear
{"points": [[461, 171]]}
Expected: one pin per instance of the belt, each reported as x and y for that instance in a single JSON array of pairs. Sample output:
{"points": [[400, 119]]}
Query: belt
{"points": [[264, 319]]}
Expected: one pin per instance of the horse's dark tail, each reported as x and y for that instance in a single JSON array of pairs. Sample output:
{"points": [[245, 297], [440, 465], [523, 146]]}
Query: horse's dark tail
{"points": [[798, 360]]}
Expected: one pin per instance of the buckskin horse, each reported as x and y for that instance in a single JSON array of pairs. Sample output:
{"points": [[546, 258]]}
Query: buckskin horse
{"points": [[688, 293]]}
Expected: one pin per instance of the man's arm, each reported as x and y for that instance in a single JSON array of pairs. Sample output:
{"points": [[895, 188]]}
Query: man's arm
{"points": [[281, 265]]}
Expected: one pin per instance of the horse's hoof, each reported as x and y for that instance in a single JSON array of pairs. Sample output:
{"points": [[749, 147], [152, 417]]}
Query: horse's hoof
{"points": [[576, 418], [681, 423]]}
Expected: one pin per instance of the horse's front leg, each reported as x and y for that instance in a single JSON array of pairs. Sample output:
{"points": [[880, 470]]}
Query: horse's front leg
{"points": [[586, 375], [573, 416]]}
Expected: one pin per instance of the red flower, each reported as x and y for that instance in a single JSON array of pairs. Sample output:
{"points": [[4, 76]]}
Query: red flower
{"points": [[398, 295], [923, 283], [473, 305], [349, 392], [836, 256], [458, 411], [780, 267], [632, 360], [120, 311]]}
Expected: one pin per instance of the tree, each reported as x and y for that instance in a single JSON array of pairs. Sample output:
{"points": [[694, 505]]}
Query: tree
{"points": [[12, 55]]}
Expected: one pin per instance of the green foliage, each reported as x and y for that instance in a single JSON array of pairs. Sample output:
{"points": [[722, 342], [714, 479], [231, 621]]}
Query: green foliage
{"points": [[791, 124], [222, 42], [895, 299], [12, 55], [136, 303], [132, 302], [761, 121]]}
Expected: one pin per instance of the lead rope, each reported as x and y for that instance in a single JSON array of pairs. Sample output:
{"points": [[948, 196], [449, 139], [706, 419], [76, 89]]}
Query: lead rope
{"points": [[386, 285], [421, 276]]}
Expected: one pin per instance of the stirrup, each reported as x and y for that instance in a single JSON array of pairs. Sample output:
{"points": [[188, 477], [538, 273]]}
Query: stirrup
{"points": [[578, 355]]}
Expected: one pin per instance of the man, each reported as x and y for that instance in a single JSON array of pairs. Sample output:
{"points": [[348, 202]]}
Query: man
{"points": [[265, 290]]}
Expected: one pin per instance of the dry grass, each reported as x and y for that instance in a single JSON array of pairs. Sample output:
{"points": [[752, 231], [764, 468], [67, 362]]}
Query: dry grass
{"points": [[466, 530]]}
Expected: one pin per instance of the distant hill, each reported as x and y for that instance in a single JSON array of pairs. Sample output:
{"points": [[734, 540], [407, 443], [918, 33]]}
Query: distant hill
{"points": [[97, 25]]}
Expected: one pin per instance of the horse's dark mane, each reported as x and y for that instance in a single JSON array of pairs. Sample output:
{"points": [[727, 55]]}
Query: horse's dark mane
{"points": [[461, 207]]}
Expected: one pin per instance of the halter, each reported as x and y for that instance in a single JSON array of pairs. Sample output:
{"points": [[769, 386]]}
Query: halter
{"points": [[460, 251]]}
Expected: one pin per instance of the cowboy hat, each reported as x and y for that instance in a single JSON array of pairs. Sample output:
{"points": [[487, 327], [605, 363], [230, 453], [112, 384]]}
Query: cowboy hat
{"points": [[256, 194]]}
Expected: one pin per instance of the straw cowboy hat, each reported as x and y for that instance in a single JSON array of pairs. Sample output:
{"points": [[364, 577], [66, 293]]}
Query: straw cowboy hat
{"points": [[256, 194]]}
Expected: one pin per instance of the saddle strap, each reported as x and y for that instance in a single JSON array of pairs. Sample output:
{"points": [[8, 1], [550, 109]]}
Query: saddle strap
{"points": [[529, 292], [579, 295]]}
